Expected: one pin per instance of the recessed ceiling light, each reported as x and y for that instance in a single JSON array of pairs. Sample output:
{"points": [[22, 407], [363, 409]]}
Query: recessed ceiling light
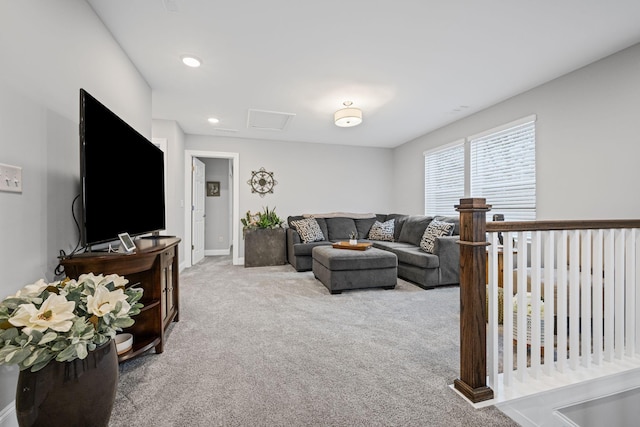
{"points": [[213, 120], [191, 61]]}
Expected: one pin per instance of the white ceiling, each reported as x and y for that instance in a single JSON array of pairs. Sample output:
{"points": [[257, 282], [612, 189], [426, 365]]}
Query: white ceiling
{"points": [[412, 66]]}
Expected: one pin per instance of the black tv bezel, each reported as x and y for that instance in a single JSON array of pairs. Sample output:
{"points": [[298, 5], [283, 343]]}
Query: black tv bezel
{"points": [[83, 173]]}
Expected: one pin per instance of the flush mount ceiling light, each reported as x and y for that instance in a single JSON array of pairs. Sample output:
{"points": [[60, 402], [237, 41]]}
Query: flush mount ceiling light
{"points": [[349, 116], [191, 61], [213, 120]]}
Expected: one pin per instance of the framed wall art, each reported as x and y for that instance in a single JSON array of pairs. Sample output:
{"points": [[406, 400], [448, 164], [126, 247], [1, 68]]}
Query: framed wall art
{"points": [[213, 188]]}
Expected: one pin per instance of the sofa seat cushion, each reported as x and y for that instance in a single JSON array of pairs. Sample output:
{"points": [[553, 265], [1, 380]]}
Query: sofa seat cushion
{"points": [[417, 257], [305, 249], [390, 246]]}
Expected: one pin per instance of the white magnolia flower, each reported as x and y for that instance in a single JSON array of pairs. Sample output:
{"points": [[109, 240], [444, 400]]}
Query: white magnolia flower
{"points": [[90, 276], [31, 291], [103, 302], [118, 281], [55, 313], [68, 286]]}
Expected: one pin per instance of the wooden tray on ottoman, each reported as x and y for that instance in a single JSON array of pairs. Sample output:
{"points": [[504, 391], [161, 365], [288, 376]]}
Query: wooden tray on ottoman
{"points": [[360, 246]]}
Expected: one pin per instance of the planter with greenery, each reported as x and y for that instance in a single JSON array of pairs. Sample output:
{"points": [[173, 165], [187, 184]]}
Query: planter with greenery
{"points": [[264, 239]]}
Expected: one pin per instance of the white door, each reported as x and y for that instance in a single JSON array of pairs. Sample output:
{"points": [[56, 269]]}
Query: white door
{"points": [[197, 212]]}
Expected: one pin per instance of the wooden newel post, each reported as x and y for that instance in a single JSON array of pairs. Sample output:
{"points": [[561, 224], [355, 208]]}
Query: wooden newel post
{"points": [[473, 333]]}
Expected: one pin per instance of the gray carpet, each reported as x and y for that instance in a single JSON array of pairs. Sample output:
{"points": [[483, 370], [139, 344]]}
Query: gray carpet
{"points": [[269, 346]]}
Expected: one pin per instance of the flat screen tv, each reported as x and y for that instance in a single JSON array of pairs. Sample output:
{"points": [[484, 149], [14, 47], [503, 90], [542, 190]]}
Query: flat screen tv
{"points": [[122, 177]]}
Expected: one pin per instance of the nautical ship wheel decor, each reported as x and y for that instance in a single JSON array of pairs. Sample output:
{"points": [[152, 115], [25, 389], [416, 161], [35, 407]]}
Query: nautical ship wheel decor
{"points": [[262, 182]]}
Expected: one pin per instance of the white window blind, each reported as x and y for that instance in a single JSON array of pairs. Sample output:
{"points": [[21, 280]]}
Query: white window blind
{"points": [[503, 170], [444, 179]]}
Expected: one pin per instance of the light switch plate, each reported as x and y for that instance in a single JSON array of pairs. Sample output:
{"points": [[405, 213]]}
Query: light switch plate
{"points": [[10, 178]]}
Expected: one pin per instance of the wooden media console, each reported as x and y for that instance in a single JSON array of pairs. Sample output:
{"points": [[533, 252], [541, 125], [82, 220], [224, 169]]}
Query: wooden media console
{"points": [[154, 268]]}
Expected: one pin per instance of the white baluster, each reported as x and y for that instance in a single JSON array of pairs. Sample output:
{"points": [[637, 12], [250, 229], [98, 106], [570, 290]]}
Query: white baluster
{"points": [[561, 318], [574, 298], [536, 274], [492, 332], [549, 304], [507, 315], [597, 297], [636, 263], [630, 300], [609, 294], [522, 306], [585, 297], [619, 293]]}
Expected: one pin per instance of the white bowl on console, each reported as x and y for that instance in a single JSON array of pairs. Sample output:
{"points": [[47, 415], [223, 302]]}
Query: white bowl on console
{"points": [[124, 342]]}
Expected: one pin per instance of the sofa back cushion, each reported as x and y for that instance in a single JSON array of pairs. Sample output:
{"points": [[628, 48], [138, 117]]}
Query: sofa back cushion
{"points": [[398, 220], [363, 226], [340, 228], [413, 229]]}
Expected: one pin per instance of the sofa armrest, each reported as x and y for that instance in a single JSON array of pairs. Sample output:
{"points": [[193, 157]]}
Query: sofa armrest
{"points": [[448, 252], [292, 238]]}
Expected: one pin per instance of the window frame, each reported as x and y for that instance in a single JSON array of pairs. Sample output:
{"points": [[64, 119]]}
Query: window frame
{"points": [[468, 167]]}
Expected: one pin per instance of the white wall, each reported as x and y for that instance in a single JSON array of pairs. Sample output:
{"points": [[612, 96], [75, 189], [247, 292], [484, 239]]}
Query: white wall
{"points": [[312, 178], [587, 142], [174, 177], [217, 224], [49, 51]]}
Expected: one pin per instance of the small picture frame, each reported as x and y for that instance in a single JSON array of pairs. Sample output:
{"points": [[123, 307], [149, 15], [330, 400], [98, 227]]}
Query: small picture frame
{"points": [[213, 188], [127, 242]]}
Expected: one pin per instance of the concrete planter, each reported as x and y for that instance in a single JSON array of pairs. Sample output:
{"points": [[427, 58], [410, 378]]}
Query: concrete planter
{"points": [[265, 246]]}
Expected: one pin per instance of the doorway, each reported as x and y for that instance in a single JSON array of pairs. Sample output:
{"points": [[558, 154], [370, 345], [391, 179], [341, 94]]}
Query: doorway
{"points": [[235, 227]]}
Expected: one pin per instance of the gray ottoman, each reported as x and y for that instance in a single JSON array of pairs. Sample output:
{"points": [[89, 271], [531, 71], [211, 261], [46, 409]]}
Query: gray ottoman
{"points": [[344, 269]]}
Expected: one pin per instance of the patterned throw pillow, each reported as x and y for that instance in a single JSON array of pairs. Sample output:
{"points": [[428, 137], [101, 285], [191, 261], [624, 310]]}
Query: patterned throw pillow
{"points": [[382, 231], [308, 229], [435, 229]]}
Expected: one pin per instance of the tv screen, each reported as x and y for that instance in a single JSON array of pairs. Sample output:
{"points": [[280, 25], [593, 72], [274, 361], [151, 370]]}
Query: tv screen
{"points": [[122, 176]]}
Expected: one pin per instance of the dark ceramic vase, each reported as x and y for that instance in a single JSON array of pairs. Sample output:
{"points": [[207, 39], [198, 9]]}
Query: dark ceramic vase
{"points": [[71, 394]]}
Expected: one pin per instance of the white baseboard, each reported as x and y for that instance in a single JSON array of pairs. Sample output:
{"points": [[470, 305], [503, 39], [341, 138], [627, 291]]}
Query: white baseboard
{"points": [[217, 252], [8, 416]]}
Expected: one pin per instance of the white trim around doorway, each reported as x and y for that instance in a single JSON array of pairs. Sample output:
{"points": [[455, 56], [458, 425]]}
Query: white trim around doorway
{"points": [[188, 159]]}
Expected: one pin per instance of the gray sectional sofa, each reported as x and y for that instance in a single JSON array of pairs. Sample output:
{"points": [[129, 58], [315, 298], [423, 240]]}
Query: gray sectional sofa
{"points": [[427, 270]]}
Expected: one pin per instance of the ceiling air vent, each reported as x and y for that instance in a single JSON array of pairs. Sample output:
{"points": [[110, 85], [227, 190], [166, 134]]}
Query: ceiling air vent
{"points": [[225, 129], [268, 120]]}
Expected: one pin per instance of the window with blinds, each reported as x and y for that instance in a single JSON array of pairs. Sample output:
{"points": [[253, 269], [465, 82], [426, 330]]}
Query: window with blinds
{"points": [[444, 179], [501, 168]]}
